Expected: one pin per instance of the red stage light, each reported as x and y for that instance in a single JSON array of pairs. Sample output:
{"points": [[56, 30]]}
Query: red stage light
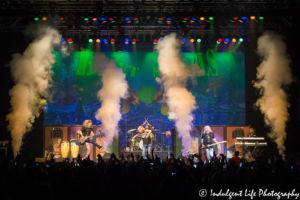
{"points": [[235, 18], [185, 19], [160, 19], [220, 40], [70, 40], [112, 40], [155, 40], [133, 40], [136, 19], [62, 19], [110, 19]]}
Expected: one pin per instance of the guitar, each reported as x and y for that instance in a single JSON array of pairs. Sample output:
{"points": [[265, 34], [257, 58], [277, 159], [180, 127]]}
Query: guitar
{"points": [[82, 139], [209, 145]]}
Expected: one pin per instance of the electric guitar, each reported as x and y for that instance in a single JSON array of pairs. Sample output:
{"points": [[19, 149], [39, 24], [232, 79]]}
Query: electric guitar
{"points": [[209, 145], [82, 139]]}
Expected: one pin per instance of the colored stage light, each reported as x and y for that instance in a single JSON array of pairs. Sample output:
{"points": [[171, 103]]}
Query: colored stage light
{"points": [[240, 21], [36, 19], [105, 41], [192, 40], [86, 19], [202, 18], [155, 40], [233, 40], [199, 21], [193, 18], [226, 40], [235, 18], [112, 40], [244, 18], [183, 40], [62, 19], [126, 40], [198, 40], [102, 19], [136, 19], [160, 19], [210, 18], [110, 19], [252, 17], [177, 40], [220, 40], [94, 19], [161, 40], [185, 19], [98, 40], [134, 40], [261, 18], [70, 40], [169, 19], [241, 40], [62, 40], [90, 40], [127, 18], [44, 18]]}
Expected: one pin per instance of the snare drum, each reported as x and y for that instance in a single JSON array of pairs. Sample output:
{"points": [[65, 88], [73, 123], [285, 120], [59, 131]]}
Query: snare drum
{"points": [[74, 150], [65, 148]]}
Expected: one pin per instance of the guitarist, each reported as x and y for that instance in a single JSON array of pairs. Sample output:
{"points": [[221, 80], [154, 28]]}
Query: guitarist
{"points": [[85, 132], [208, 138]]}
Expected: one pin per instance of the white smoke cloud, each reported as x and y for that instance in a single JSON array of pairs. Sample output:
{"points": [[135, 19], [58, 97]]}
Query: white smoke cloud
{"points": [[31, 72], [114, 88], [174, 75], [272, 75]]}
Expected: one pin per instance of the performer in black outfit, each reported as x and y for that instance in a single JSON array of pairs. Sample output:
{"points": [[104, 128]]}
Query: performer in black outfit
{"points": [[86, 130], [250, 150]]}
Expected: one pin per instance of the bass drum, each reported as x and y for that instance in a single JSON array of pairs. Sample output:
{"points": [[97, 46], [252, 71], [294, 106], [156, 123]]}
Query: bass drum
{"points": [[65, 148], [74, 150]]}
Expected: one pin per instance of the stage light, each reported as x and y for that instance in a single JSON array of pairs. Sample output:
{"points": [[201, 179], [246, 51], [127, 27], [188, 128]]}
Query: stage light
{"points": [[241, 40], [199, 21], [62, 40], [169, 19], [161, 40], [220, 40], [102, 19], [256, 20], [252, 17], [36, 19], [112, 40], [210, 18], [198, 40], [244, 18], [184, 40], [127, 18], [202, 18], [105, 41], [193, 18], [226, 40], [177, 40], [261, 18], [133, 41], [90, 40], [240, 21], [98, 40], [44, 18], [94, 19], [235, 18], [110, 19], [70, 40], [126, 41], [192, 40], [136, 20], [62, 19], [233, 40], [154, 41], [185, 19], [86, 19]]}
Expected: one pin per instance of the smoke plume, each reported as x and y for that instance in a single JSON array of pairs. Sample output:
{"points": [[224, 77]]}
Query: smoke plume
{"points": [[272, 75], [31, 72], [174, 75], [114, 87]]}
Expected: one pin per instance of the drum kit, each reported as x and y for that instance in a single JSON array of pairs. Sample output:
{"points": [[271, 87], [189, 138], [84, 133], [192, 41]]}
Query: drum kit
{"points": [[137, 144]]}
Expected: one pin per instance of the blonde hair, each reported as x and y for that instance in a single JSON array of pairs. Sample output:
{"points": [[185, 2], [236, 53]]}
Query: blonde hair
{"points": [[86, 122], [209, 129]]}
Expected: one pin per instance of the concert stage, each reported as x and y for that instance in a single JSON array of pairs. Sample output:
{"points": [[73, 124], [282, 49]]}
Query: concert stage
{"points": [[160, 154]]}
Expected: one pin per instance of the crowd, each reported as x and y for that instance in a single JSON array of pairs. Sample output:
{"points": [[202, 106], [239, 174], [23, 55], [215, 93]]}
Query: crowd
{"points": [[144, 177]]}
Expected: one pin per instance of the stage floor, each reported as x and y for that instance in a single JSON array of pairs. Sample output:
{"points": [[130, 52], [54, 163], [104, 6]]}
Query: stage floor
{"points": [[161, 154]]}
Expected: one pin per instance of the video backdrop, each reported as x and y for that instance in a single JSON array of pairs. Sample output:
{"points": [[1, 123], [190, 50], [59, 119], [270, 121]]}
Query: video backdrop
{"points": [[220, 93]]}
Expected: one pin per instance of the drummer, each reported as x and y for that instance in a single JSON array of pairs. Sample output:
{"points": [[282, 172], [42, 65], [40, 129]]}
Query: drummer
{"points": [[147, 135]]}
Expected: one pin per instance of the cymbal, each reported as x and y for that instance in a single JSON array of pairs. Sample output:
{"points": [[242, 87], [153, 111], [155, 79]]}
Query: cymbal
{"points": [[131, 130]]}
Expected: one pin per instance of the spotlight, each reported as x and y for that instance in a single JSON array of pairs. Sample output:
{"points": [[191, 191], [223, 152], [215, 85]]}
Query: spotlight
{"points": [[241, 40], [226, 40], [244, 18], [161, 40], [169, 20], [98, 40], [36, 19], [44, 18], [90, 40], [202, 18], [233, 40], [184, 40], [136, 20], [102, 19], [220, 40], [193, 18], [94, 19], [127, 18], [192, 40], [198, 40], [210, 18], [252, 17], [185, 20], [154, 41], [112, 40], [126, 41], [62, 19], [235, 18], [133, 41], [70, 40], [111, 19], [105, 41], [62, 40], [261, 18], [86, 19]]}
